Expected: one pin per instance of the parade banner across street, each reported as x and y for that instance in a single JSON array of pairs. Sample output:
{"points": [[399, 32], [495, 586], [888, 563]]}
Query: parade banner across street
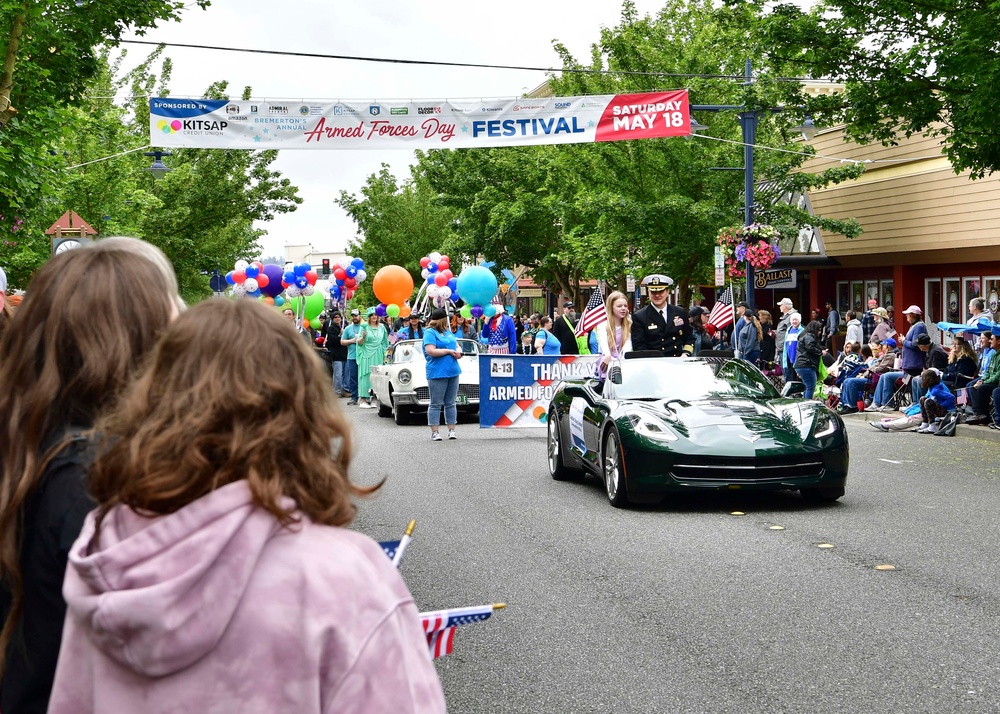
{"points": [[515, 390], [423, 124]]}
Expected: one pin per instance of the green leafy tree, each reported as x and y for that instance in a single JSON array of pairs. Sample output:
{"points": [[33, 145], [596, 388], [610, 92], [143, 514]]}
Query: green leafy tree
{"points": [[909, 67], [49, 57]]}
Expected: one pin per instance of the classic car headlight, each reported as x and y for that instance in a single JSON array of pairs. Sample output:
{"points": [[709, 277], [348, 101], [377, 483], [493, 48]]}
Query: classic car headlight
{"points": [[404, 376], [825, 424], [650, 426]]}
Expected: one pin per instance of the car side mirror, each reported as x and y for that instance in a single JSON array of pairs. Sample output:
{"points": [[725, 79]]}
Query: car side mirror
{"points": [[793, 389]]}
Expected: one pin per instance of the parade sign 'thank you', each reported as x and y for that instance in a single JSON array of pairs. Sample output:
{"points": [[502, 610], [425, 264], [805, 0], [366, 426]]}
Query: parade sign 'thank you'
{"points": [[430, 124]]}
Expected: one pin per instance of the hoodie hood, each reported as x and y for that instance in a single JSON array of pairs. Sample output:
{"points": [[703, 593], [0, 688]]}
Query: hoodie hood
{"points": [[160, 592]]}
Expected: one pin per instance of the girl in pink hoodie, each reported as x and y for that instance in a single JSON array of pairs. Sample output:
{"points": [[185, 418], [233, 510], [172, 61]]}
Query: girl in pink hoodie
{"points": [[215, 574]]}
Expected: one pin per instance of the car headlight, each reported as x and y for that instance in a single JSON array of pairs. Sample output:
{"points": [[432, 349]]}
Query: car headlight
{"points": [[650, 426], [825, 424], [404, 376]]}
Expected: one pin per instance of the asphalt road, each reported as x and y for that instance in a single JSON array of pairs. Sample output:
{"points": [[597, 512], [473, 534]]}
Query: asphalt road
{"points": [[686, 607]]}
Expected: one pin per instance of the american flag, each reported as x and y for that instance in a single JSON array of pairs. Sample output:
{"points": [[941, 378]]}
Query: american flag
{"points": [[439, 626], [722, 312], [390, 547], [395, 548], [594, 315]]}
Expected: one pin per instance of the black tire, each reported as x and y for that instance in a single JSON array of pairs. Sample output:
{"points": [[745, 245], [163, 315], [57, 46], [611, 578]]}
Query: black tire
{"points": [[614, 476], [401, 415], [383, 410], [821, 495], [557, 466]]}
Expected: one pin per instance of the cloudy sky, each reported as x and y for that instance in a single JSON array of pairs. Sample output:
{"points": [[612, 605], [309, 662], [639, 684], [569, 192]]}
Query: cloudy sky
{"points": [[515, 32]]}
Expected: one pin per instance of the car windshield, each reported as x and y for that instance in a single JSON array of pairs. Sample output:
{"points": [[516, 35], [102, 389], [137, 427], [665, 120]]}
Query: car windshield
{"points": [[413, 350], [690, 380]]}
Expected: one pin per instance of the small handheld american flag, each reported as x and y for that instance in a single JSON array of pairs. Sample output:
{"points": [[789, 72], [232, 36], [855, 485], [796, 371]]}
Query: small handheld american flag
{"points": [[439, 626], [594, 315], [395, 548], [722, 312]]}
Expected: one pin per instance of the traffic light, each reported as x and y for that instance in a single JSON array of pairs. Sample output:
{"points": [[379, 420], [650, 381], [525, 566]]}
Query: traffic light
{"points": [[326, 266]]}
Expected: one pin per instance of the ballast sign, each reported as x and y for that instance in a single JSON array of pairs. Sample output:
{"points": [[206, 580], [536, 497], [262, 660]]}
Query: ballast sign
{"points": [[418, 124]]}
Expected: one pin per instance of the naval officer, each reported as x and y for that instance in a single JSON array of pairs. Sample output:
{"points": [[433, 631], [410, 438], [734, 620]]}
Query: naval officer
{"points": [[660, 326]]}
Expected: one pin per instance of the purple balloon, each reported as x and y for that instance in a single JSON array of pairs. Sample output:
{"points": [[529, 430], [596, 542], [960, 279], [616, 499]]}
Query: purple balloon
{"points": [[274, 274], [380, 310], [477, 311]]}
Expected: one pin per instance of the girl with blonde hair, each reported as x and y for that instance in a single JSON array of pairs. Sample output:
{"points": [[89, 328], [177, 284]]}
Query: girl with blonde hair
{"points": [[614, 337], [218, 550]]}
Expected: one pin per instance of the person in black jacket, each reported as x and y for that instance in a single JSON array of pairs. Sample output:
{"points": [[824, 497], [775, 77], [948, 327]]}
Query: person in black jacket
{"points": [[338, 353], [659, 326], [89, 318], [808, 355], [564, 330]]}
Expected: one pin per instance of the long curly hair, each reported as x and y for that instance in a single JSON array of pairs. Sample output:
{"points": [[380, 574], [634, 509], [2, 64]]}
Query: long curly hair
{"points": [[609, 326], [212, 408], [89, 318]]}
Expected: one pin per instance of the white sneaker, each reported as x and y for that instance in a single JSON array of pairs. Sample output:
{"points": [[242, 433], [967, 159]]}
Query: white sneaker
{"points": [[365, 405], [435, 436], [923, 428], [452, 434], [932, 429]]}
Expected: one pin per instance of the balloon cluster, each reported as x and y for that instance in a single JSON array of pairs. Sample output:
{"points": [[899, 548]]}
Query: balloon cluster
{"points": [[478, 286], [349, 273], [441, 284], [256, 280]]}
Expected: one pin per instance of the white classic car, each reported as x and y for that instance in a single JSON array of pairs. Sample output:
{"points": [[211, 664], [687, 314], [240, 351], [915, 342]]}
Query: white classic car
{"points": [[400, 384]]}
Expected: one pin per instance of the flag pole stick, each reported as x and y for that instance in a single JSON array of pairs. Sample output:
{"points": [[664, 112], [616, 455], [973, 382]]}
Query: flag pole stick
{"points": [[407, 536]]}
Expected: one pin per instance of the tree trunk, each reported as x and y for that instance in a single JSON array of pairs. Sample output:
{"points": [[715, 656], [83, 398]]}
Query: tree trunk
{"points": [[7, 111]]}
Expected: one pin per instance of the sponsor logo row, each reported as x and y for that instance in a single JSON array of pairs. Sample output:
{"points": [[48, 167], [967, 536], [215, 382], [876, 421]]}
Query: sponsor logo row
{"points": [[244, 111]]}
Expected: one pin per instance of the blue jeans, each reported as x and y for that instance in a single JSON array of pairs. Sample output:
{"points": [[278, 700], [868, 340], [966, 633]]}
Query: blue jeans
{"points": [[443, 392], [996, 406], [885, 388], [852, 391], [809, 377], [352, 379], [338, 377]]}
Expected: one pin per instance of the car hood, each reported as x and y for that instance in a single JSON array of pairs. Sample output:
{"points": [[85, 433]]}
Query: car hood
{"points": [[709, 423]]}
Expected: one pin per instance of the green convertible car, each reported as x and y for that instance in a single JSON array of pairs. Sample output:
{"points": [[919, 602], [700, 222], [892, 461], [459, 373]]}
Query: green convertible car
{"points": [[662, 425]]}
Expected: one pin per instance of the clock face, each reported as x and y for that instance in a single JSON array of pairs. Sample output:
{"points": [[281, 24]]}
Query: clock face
{"points": [[67, 245]]}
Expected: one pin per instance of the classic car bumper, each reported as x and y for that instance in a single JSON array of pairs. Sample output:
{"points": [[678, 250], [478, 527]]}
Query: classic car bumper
{"points": [[468, 395]]}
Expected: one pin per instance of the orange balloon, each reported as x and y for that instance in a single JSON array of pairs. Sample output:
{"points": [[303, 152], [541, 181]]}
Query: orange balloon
{"points": [[269, 300], [305, 324], [393, 284], [405, 310]]}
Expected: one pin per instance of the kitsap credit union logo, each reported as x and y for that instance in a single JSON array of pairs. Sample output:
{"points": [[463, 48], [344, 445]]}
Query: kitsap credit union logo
{"points": [[374, 110], [169, 127]]}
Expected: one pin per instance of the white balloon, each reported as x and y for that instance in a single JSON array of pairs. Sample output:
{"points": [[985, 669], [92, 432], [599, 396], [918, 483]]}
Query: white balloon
{"points": [[308, 290], [433, 291], [251, 285], [242, 265], [292, 292], [444, 291], [425, 273], [360, 276], [239, 290], [435, 256], [345, 262], [439, 301]]}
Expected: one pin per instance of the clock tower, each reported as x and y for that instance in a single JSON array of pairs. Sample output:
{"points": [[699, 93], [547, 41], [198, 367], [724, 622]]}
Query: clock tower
{"points": [[69, 232]]}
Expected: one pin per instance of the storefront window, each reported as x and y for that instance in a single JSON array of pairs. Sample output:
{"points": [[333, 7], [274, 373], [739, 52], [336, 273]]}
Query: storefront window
{"points": [[991, 293], [971, 288]]}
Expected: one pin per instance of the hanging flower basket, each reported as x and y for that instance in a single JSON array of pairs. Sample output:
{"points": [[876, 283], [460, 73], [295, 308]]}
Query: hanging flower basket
{"points": [[756, 244]]}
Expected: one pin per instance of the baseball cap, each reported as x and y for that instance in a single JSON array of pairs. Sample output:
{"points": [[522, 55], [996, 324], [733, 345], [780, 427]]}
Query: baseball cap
{"points": [[913, 310], [872, 303], [924, 339], [355, 312], [785, 301], [744, 305], [438, 314], [890, 342], [697, 310], [568, 303]]}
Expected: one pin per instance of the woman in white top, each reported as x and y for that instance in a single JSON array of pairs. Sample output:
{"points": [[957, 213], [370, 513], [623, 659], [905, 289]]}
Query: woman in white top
{"points": [[614, 337]]}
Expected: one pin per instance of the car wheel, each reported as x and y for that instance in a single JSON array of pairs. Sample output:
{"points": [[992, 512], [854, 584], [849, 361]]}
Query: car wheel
{"points": [[401, 415], [614, 474], [821, 495], [383, 410], [557, 468]]}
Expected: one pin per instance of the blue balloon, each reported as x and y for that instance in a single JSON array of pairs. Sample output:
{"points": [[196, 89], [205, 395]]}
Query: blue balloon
{"points": [[477, 285], [358, 263], [229, 278], [301, 283], [278, 301], [489, 311], [432, 267], [340, 283], [351, 271], [453, 284], [289, 276], [301, 269], [252, 271]]}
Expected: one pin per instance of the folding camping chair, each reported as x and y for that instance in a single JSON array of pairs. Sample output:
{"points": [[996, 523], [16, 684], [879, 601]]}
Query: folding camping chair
{"points": [[902, 396]]}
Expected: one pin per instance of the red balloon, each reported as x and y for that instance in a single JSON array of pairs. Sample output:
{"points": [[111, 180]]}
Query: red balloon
{"points": [[263, 281], [260, 266], [447, 273], [311, 276], [285, 285], [239, 277], [350, 294], [339, 274], [424, 262], [444, 259], [440, 280], [350, 283]]}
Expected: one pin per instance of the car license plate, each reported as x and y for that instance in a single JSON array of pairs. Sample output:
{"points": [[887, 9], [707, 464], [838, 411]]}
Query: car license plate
{"points": [[461, 399]]}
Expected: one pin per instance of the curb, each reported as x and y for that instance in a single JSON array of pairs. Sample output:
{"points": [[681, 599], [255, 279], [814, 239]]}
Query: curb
{"points": [[967, 431]]}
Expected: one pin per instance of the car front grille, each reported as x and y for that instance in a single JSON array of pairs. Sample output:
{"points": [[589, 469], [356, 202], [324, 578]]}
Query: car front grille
{"points": [[762, 468], [470, 391]]}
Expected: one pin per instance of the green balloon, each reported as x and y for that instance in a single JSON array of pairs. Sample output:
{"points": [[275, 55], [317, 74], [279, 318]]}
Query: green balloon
{"points": [[314, 305], [392, 310], [315, 324], [466, 312]]}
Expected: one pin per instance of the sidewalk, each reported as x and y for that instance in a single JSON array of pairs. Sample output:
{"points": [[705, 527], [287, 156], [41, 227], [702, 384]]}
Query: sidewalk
{"points": [[983, 433]]}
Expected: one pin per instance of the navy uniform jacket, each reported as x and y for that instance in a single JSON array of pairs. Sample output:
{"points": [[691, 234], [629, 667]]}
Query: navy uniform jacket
{"points": [[674, 337]]}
